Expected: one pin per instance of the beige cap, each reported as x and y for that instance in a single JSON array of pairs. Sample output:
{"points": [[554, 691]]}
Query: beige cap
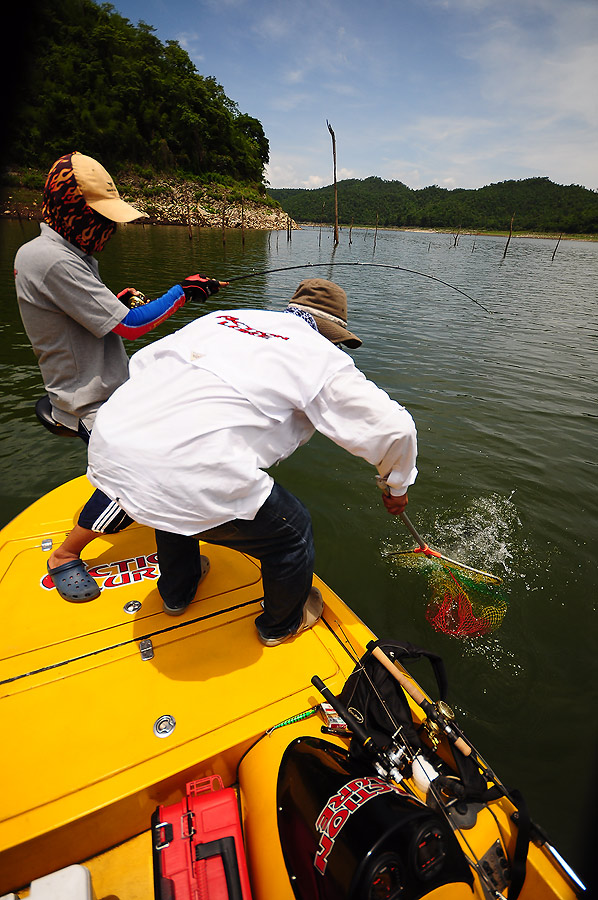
{"points": [[99, 190]]}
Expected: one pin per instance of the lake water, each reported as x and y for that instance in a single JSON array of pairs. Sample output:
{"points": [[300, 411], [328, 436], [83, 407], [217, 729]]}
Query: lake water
{"points": [[505, 403]]}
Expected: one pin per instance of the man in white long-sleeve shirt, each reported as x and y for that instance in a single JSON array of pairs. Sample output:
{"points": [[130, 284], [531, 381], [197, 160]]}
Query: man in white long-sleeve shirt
{"points": [[182, 446]]}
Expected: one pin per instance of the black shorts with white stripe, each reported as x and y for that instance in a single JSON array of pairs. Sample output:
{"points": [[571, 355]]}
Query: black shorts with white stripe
{"points": [[104, 515]]}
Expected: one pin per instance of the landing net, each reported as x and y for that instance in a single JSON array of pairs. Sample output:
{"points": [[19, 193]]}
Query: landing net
{"points": [[462, 604]]}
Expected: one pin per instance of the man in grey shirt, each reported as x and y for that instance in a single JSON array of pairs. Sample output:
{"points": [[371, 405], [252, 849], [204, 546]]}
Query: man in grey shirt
{"points": [[76, 326]]}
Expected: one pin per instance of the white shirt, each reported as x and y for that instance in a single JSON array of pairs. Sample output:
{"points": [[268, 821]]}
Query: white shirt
{"points": [[183, 444]]}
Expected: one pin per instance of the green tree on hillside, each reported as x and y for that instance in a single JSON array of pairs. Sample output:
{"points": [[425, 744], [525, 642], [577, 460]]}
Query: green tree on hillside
{"points": [[99, 84], [538, 204]]}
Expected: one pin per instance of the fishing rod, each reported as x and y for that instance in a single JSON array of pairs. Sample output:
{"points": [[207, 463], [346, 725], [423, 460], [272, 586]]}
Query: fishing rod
{"points": [[368, 265]]}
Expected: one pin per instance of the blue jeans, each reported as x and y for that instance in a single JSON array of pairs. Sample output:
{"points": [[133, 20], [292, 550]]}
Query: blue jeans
{"points": [[280, 536]]}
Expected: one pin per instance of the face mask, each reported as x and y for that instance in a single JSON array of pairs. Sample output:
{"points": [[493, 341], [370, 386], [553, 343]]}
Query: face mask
{"points": [[65, 210]]}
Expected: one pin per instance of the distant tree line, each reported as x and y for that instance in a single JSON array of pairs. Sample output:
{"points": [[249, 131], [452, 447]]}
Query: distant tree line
{"points": [[538, 205], [90, 80]]}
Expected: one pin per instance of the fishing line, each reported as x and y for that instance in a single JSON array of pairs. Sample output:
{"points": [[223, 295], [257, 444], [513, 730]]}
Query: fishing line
{"points": [[369, 265]]}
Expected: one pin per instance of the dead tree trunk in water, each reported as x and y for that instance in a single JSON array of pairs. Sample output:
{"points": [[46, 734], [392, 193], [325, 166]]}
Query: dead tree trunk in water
{"points": [[557, 246], [510, 234], [335, 188]]}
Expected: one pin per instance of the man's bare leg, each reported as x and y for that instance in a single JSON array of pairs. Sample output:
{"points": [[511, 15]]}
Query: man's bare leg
{"points": [[72, 547]]}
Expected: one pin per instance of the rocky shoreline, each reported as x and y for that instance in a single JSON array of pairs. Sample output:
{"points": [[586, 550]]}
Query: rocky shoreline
{"points": [[166, 202], [172, 201]]}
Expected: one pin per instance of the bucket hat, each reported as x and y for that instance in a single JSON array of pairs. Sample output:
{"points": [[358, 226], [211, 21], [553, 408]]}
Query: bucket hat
{"points": [[327, 303]]}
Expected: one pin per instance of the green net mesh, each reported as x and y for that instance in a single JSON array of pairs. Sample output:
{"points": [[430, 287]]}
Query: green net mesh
{"points": [[462, 604]]}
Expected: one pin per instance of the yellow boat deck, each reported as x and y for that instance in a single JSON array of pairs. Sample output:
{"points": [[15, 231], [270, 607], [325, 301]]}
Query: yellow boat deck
{"points": [[85, 686], [109, 708]]}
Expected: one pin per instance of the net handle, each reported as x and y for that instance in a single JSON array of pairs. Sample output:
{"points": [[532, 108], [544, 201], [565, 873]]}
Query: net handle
{"points": [[427, 550], [424, 548], [410, 526]]}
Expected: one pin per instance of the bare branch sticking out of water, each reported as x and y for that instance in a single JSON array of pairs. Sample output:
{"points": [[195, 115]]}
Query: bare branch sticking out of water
{"points": [[332, 135], [557, 247], [509, 238]]}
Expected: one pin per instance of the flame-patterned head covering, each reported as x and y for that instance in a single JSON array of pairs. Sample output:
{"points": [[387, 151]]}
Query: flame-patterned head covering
{"points": [[66, 211]]}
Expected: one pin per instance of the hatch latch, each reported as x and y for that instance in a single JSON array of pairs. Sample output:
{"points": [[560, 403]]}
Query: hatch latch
{"points": [[146, 649]]}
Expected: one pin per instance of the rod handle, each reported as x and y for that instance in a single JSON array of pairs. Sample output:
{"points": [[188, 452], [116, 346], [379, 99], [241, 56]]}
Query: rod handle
{"points": [[418, 696]]}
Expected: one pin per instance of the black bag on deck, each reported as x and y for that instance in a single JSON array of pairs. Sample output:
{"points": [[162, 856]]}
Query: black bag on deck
{"points": [[378, 701]]}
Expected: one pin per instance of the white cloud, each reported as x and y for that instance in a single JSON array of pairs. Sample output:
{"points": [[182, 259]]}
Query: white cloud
{"points": [[188, 40], [291, 100], [273, 27], [313, 181], [293, 76], [288, 170]]}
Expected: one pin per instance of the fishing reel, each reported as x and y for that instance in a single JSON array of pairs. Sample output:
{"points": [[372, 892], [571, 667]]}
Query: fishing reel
{"points": [[388, 761], [439, 716], [132, 298], [392, 761]]}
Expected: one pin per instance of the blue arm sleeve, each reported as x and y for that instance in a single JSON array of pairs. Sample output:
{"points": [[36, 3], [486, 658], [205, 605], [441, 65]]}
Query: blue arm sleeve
{"points": [[141, 319]]}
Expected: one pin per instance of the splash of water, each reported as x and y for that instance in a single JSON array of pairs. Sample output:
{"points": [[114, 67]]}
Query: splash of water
{"points": [[483, 537]]}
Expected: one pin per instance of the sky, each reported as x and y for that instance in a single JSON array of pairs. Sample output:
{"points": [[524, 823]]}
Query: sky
{"points": [[456, 93]]}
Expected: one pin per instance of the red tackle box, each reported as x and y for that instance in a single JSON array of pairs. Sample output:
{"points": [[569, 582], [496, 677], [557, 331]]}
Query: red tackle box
{"points": [[197, 845]]}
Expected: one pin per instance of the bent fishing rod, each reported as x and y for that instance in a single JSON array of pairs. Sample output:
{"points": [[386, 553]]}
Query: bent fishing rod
{"points": [[368, 265]]}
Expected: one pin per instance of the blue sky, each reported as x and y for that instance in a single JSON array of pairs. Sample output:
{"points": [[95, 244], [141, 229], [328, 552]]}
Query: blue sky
{"points": [[458, 93]]}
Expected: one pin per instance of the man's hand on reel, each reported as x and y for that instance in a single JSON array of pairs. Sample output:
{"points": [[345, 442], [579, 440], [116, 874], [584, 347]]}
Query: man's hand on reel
{"points": [[199, 287]]}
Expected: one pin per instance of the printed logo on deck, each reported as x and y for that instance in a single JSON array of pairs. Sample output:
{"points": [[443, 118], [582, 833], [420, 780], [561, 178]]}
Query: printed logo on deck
{"points": [[120, 573]]}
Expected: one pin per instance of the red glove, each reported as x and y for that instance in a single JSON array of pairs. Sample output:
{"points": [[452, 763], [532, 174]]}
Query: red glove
{"points": [[198, 287]]}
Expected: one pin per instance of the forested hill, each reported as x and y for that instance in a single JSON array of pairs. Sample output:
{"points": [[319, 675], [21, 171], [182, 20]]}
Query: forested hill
{"points": [[538, 205], [87, 79]]}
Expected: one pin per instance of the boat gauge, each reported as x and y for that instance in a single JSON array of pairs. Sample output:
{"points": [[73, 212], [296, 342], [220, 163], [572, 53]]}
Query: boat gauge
{"points": [[428, 851], [386, 881]]}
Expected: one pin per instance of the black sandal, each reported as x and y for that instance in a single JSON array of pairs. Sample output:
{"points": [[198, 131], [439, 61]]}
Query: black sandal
{"points": [[73, 582]]}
